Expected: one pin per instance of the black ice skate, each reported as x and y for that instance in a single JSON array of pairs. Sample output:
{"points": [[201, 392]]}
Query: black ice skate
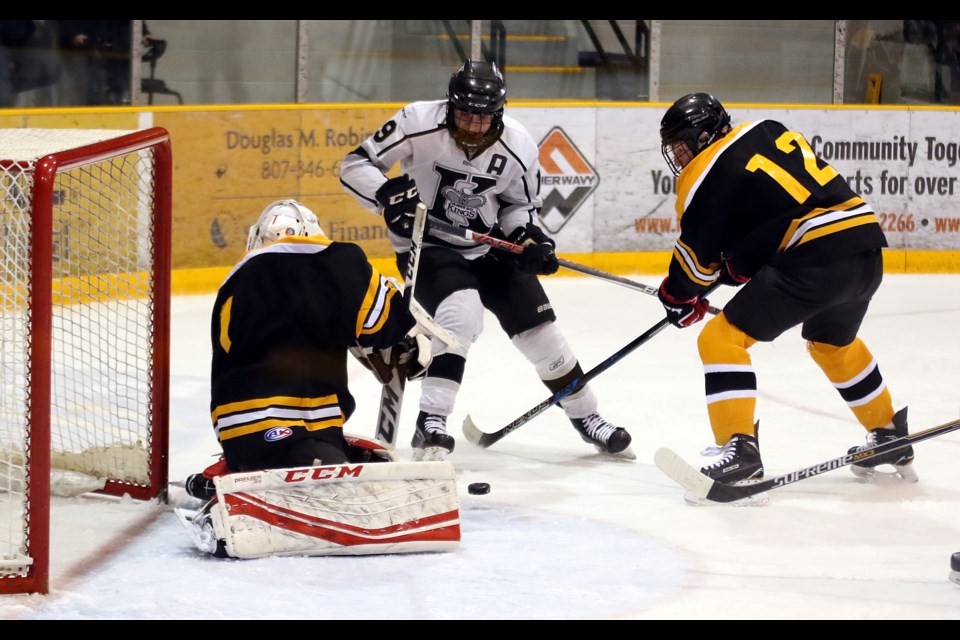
{"points": [[606, 437], [197, 486], [738, 463], [955, 567], [901, 459], [430, 440]]}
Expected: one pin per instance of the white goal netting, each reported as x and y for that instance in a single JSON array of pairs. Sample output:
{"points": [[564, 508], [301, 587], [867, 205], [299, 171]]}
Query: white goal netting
{"points": [[78, 305]]}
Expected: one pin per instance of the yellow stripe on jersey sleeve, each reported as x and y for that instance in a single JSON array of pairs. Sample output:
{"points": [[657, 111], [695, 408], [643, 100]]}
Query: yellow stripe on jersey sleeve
{"points": [[376, 305]]}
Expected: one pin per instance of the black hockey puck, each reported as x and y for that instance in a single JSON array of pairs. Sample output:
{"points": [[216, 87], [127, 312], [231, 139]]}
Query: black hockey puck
{"points": [[479, 488]]}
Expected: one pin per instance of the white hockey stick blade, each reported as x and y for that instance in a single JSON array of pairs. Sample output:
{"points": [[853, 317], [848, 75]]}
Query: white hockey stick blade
{"points": [[471, 432], [681, 472], [430, 326]]}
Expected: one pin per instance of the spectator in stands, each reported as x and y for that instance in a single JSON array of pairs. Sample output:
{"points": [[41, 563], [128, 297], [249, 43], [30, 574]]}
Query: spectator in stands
{"points": [[98, 53], [26, 61]]}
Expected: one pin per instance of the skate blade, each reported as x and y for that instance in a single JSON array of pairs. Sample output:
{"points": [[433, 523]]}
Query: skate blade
{"points": [[758, 500], [880, 473], [199, 528], [430, 454], [955, 577], [626, 454]]}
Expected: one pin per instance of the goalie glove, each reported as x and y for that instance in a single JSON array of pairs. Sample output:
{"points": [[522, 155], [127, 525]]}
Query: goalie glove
{"points": [[685, 312], [377, 361], [538, 257], [413, 356], [399, 198]]}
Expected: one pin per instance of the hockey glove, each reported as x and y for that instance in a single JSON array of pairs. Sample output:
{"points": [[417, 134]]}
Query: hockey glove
{"points": [[377, 361], [682, 313], [538, 255], [399, 198], [413, 355], [729, 275]]}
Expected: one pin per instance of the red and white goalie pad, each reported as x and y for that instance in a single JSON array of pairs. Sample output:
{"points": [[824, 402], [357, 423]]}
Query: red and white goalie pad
{"points": [[350, 509]]}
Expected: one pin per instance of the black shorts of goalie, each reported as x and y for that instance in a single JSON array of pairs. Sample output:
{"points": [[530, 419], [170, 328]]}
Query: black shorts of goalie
{"points": [[350, 509]]}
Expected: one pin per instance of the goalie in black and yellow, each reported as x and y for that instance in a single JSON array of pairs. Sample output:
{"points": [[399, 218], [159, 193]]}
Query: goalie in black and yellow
{"points": [[291, 482], [283, 323], [759, 210]]}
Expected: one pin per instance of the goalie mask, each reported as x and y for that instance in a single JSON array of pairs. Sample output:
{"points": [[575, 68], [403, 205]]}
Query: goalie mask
{"points": [[475, 99], [280, 219], [688, 127]]}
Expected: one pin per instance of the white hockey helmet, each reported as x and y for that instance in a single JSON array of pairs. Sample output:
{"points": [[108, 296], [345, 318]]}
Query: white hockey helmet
{"points": [[280, 219]]}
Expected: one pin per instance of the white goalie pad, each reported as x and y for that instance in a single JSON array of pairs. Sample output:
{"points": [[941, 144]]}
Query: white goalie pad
{"points": [[350, 509]]}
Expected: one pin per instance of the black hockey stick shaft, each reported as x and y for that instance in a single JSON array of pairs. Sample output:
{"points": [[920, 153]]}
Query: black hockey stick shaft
{"points": [[720, 492], [484, 440], [505, 245]]}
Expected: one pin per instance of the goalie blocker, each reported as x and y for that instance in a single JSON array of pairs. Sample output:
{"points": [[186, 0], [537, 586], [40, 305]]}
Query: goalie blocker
{"points": [[348, 509]]}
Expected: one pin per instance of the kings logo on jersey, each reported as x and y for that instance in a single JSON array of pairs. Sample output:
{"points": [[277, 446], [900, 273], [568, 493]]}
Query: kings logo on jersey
{"points": [[566, 179]]}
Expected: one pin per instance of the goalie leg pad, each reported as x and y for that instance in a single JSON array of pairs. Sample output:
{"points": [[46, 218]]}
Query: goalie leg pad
{"points": [[351, 509]]}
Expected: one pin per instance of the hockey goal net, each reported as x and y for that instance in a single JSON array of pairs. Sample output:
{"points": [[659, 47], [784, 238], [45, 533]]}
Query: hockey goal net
{"points": [[85, 225]]}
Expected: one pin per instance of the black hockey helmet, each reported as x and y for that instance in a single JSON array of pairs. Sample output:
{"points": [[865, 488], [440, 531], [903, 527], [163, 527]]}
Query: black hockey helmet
{"points": [[696, 120], [477, 87]]}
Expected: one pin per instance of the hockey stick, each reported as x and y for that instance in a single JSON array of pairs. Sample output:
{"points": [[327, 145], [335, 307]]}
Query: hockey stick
{"points": [[391, 395], [505, 245], [703, 486], [483, 439]]}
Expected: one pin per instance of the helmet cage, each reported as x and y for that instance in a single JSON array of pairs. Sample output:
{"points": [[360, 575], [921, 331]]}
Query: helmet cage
{"points": [[281, 219], [476, 88], [692, 124]]}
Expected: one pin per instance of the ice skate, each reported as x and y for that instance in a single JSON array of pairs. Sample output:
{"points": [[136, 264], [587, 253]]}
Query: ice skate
{"points": [[199, 525], [738, 462], [606, 437], [955, 568], [430, 440], [896, 464], [199, 487]]}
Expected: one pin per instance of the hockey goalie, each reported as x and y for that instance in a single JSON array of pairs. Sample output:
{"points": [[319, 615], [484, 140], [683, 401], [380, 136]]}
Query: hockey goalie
{"points": [[290, 481]]}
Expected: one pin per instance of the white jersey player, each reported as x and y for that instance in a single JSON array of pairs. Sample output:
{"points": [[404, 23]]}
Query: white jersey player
{"points": [[474, 167]]}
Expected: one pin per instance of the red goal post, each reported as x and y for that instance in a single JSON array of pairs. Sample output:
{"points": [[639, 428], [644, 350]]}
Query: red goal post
{"points": [[85, 234]]}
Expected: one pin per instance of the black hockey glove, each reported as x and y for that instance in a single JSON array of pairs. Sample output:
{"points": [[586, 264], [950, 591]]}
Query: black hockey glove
{"points": [[729, 275], [399, 198], [538, 255], [412, 356], [682, 313]]}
